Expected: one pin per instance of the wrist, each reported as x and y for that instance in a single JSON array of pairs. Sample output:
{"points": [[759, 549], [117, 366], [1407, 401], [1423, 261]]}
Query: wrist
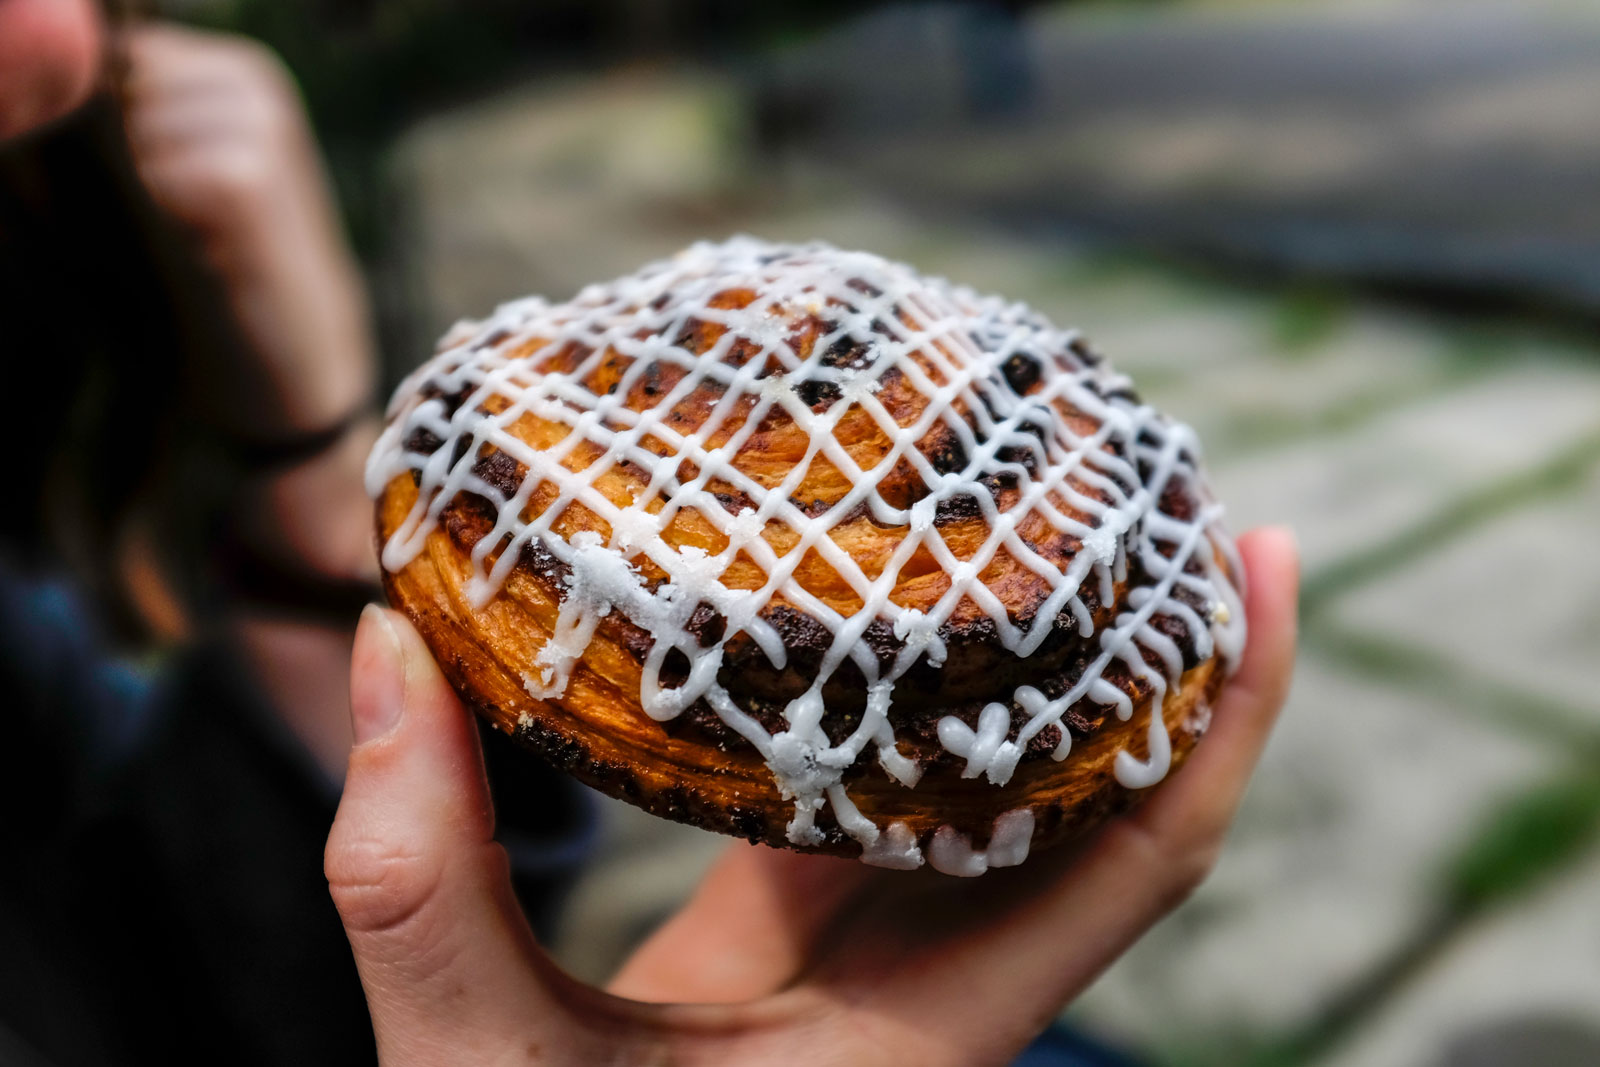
{"points": [[306, 354]]}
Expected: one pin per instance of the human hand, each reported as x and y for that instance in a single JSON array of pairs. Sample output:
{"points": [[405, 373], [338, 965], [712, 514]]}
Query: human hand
{"points": [[779, 956], [220, 139]]}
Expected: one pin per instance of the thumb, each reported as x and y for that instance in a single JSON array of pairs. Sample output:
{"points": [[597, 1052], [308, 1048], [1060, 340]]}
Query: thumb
{"points": [[451, 971]]}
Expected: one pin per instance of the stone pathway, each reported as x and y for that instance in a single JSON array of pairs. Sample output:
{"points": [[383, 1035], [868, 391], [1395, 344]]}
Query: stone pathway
{"points": [[1414, 877]]}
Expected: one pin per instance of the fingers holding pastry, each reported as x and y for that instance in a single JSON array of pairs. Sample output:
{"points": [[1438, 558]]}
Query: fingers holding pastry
{"points": [[451, 972], [1150, 861], [419, 882], [1052, 927], [1200, 802]]}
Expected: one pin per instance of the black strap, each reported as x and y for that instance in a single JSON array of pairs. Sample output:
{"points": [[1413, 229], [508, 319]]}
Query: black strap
{"points": [[259, 455], [259, 582]]}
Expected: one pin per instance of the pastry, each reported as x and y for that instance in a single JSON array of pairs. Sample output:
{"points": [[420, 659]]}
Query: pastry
{"points": [[797, 544]]}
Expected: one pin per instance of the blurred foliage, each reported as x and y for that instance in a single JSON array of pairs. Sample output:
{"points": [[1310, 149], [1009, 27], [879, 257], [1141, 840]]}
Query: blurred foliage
{"points": [[1527, 840], [1308, 315]]}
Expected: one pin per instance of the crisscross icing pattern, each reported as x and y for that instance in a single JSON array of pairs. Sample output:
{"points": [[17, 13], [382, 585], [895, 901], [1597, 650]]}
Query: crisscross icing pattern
{"points": [[1033, 427]]}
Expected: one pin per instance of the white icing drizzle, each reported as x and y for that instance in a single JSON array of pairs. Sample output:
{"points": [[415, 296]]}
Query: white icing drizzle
{"points": [[896, 847], [1104, 487], [952, 853]]}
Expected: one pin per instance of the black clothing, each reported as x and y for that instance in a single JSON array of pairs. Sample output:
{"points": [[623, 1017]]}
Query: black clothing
{"points": [[161, 891]]}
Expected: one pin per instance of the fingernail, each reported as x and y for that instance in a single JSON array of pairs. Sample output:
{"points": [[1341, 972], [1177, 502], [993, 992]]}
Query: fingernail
{"points": [[375, 710]]}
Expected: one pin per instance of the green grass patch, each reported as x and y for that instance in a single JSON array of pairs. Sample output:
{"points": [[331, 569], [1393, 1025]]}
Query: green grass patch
{"points": [[1526, 841], [1306, 316]]}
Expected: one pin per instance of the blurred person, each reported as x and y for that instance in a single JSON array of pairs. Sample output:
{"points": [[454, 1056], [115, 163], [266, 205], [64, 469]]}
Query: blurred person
{"points": [[186, 549], [191, 378]]}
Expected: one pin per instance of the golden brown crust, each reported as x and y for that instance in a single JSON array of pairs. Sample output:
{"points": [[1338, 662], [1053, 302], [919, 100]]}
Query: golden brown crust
{"points": [[598, 734]]}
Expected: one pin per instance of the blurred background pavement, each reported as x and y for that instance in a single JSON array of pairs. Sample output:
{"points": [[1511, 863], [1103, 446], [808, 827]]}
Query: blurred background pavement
{"points": [[1357, 245]]}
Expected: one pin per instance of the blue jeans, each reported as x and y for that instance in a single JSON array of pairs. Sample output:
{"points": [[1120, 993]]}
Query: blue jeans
{"points": [[1062, 1047]]}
